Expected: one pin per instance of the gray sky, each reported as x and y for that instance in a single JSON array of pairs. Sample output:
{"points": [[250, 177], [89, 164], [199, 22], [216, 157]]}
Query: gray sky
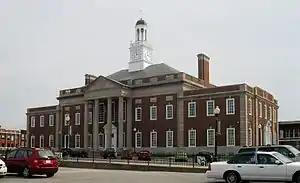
{"points": [[47, 45]]}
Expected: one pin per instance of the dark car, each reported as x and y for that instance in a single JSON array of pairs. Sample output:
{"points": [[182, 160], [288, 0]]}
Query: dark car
{"points": [[28, 161], [110, 153], [74, 153], [144, 155], [205, 155], [286, 150]]}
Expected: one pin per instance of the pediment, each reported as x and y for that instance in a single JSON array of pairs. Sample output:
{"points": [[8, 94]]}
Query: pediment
{"points": [[103, 83], [112, 126]]}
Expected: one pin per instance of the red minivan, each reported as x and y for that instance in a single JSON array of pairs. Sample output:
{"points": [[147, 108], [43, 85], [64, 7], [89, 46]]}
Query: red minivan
{"points": [[29, 161]]}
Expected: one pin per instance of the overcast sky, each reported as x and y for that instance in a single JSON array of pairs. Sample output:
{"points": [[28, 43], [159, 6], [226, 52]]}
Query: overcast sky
{"points": [[48, 45]]}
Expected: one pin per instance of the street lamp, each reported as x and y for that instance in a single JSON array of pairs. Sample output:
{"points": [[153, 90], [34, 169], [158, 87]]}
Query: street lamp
{"points": [[134, 130], [68, 119], [217, 131]]}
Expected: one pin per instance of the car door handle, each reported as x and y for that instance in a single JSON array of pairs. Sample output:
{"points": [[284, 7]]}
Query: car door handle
{"points": [[261, 166], [239, 166]]}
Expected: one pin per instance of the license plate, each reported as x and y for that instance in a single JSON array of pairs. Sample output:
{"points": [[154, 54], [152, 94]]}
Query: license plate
{"points": [[48, 161]]}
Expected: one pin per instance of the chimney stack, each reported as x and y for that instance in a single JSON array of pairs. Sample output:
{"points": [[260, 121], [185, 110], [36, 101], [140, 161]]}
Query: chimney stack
{"points": [[203, 68], [89, 78]]}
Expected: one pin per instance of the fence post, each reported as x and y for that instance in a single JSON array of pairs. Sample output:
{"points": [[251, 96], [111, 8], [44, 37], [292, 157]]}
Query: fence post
{"points": [[193, 160], [77, 159], [128, 161], [109, 160], [93, 156], [148, 162], [169, 161]]}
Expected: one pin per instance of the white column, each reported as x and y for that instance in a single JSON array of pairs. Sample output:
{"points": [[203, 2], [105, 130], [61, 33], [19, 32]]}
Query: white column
{"points": [[129, 122], [120, 123], [96, 125], [109, 123], [86, 125]]}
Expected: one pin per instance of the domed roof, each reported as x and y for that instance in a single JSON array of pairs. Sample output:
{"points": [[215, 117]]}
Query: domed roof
{"points": [[141, 22]]}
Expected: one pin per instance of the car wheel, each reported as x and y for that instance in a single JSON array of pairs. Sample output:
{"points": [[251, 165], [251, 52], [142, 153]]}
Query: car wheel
{"points": [[49, 175], [232, 177], [297, 178], [26, 172]]}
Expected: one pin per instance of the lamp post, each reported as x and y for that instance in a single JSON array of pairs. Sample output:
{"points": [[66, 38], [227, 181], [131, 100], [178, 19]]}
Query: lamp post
{"points": [[68, 119], [134, 130], [217, 131]]}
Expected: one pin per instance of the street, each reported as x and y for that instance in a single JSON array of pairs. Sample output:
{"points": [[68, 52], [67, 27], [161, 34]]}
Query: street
{"points": [[71, 175]]}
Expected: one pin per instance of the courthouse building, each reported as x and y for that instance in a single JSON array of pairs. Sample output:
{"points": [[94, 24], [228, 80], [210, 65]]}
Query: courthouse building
{"points": [[152, 105]]}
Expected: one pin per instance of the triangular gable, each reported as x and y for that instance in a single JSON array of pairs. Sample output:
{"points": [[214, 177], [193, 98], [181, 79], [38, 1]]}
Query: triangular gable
{"points": [[106, 126], [104, 83]]}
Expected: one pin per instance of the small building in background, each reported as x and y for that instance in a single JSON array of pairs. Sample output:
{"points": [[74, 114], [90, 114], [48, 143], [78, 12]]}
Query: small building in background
{"points": [[11, 138], [289, 133]]}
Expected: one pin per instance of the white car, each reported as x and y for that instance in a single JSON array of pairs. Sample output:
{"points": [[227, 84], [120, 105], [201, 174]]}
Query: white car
{"points": [[3, 169], [256, 166]]}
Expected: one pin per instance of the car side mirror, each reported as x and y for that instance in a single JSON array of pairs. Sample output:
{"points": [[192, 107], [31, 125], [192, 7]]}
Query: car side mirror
{"points": [[277, 162]]}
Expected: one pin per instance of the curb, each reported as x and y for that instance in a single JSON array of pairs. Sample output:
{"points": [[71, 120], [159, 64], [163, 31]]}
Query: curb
{"points": [[108, 166]]}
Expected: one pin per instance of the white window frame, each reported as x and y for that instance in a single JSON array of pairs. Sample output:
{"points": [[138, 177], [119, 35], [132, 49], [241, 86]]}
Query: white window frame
{"points": [[42, 139], [250, 106], [77, 141], [32, 121], [138, 117], [51, 120], [189, 138], [77, 118], [266, 111], [207, 108], [66, 115], [42, 121], [208, 131], [155, 140], [190, 115], [101, 114], [136, 135], [32, 141], [167, 138], [66, 141], [90, 117], [227, 137], [153, 114], [51, 140], [228, 112], [260, 109], [169, 112]]}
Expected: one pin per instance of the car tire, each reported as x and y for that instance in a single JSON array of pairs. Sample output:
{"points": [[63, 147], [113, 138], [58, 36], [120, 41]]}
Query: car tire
{"points": [[49, 175], [232, 177], [297, 178], [26, 172]]}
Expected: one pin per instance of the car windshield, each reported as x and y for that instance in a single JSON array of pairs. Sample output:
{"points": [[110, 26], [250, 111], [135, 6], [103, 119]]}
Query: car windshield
{"points": [[282, 157], [293, 150], [45, 154]]}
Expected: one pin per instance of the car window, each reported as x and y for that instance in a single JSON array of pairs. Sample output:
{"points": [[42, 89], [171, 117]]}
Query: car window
{"points": [[266, 159], [29, 153], [282, 150], [248, 158], [266, 149], [12, 154], [20, 154], [243, 150], [45, 154]]}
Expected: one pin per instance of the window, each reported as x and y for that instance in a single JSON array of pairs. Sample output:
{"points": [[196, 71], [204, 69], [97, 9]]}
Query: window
{"points": [[266, 159], [153, 112], [191, 109], [51, 120], [247, 158], [230, 136], [113, 112], [250, 106], [169, 138], [101, 140], [138, 139], [32, 141], [42, 121], [66, 141], [210, 137], [230, 106], [169, 111], [266, 112], [153, 139], [51, 140], [66, 116], [90, 117], [124, 110], [270, 113], [32, 121], [210, 106], [281, 134], [260, 109], [90, 140], [41, 141], [77, 141], [101, 113], [77, 118], [192, 138], [12, 154], [138, 114]]}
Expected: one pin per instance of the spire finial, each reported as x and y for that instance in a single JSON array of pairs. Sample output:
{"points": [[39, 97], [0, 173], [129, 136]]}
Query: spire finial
{"points": [[141, 14]]}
